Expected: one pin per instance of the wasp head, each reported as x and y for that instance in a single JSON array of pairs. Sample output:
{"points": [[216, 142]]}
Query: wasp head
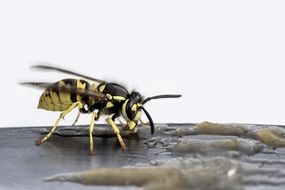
{"points": [[133, 106], [131, 111]]}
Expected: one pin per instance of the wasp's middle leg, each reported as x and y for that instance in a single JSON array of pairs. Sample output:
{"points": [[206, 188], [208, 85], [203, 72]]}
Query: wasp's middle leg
{"points": [[62, 115], [94, 117], [76, 119], [91, 147], [81, 110]]}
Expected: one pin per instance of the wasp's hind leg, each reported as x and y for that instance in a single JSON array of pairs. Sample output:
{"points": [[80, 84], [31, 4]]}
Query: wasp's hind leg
{"points": [[62, 115], [111, 122]]}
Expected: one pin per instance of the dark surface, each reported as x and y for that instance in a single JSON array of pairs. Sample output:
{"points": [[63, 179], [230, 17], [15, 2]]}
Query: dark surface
{"points": [[24, 165]]}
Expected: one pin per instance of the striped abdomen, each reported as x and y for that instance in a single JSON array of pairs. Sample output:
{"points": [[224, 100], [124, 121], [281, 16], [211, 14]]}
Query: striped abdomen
{"points": [[55, 100]]}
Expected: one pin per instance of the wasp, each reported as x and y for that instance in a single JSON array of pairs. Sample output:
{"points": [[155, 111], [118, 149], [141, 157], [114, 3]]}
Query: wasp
{"points": [[99, 98]]}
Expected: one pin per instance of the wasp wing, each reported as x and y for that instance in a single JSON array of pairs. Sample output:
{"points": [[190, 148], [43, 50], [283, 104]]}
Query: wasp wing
{"points": [[41, 85], [52, 68], [66, 89]]}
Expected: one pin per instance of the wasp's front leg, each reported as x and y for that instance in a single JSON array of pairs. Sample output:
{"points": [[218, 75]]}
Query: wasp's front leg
{"points": [[111, 122]]}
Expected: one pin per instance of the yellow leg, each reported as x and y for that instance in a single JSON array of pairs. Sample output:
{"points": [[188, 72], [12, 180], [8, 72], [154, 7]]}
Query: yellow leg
{"points": [[91, 149], [76, 119], [62, 115], [116, 130], [143, 123]]}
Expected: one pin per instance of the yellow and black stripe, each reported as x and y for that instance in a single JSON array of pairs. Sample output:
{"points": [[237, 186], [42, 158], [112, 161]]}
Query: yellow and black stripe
{"points": [[54, 99]]}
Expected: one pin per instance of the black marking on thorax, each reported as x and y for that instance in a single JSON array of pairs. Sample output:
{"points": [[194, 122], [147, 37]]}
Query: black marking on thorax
{"points": [[116, 90]]}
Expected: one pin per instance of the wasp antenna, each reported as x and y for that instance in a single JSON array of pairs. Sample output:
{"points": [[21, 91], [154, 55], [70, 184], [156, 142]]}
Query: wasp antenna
{"points": [[52, 68], [149, 119], [162, 96]]}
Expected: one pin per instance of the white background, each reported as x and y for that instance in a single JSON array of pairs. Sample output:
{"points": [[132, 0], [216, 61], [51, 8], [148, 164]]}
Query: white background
{"points": [[225, 57]]}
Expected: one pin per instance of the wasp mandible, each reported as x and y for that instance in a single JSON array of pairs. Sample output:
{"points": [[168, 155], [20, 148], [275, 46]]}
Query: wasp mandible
{"points": [[99, 98]]}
